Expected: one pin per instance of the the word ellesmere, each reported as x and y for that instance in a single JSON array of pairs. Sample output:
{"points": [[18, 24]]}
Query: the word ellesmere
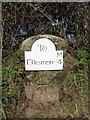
{"points": [[35, 62]]}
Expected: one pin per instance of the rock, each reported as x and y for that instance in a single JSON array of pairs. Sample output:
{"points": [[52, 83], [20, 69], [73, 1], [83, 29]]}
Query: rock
{"points": [[42, 94], [43, 89], [59, 43], [44, 76]]}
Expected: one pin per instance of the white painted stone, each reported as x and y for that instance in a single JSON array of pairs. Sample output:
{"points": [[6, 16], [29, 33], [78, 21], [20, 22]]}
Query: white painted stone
{"points": [[43, 56]]}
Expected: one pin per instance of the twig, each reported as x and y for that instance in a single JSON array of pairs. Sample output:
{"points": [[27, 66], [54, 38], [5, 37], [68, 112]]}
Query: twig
{"points": [[42, 13]]}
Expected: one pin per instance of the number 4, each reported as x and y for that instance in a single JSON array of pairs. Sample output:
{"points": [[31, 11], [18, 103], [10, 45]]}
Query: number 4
{"points": [[59, 61]]}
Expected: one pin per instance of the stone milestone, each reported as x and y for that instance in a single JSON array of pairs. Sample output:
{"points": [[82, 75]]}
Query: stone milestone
{"points": [[43, 89]]}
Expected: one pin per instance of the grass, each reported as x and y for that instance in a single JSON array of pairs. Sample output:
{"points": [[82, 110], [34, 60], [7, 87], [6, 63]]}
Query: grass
{"points": [[2, 111], [74, 85]]}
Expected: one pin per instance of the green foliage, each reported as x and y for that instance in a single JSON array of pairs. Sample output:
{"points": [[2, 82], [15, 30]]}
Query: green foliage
{"points": [[83, 61], [82, 42], [13, 67], [11, 94], [20, 56], [70, 106], [5, 83], [82, 54], [0, 70], [3, 113]]}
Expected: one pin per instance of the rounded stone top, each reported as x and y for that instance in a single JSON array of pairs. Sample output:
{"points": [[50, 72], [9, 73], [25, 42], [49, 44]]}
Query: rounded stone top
{"points": [[59, 43]]}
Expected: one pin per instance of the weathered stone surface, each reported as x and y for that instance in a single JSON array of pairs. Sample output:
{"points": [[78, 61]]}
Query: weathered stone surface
{"points": [[60, 44], [43, 90], [41, 94]]}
